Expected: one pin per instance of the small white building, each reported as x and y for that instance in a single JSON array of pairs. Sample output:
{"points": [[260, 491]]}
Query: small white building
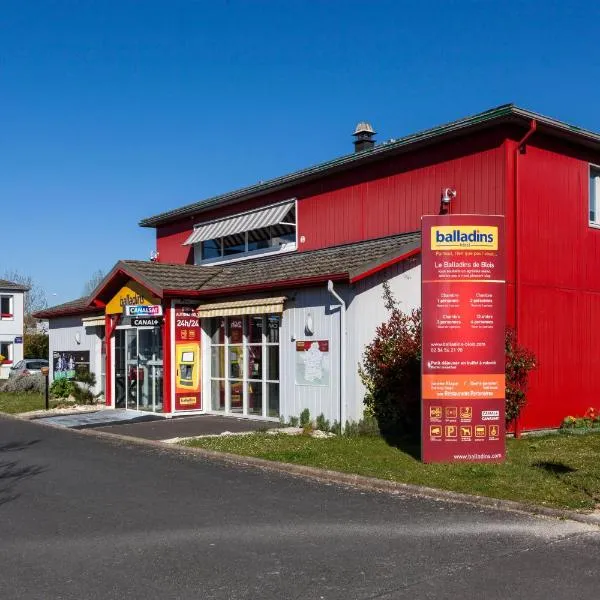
{"points": [[12, 304]]}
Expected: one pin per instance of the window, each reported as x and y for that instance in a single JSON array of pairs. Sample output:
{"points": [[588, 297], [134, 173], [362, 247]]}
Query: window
{"points": [[595, 196], [245, 364], [274, 238], [6, 307], [6, 350]]}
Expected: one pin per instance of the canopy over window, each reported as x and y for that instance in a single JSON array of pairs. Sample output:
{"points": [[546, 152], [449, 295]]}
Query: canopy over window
{"points": [[256, 219], [252, 306]]}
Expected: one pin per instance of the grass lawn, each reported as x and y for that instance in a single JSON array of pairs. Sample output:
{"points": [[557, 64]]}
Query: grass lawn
{"points": [[560, 470], [18, 402]]}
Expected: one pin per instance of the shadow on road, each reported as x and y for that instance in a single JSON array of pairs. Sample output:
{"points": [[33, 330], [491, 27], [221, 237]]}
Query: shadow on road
{"points": [[11, 471]]}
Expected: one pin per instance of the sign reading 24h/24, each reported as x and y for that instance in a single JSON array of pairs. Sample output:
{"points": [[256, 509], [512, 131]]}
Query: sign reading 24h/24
{"points": [[463, 304]]}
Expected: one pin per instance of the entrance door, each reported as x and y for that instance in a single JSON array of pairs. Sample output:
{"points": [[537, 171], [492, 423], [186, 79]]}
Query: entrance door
{"points": [[139, 369]]}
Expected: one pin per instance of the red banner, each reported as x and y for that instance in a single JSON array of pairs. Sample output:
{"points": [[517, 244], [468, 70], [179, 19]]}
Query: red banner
{"points": [[463, 303], [188, 378]]}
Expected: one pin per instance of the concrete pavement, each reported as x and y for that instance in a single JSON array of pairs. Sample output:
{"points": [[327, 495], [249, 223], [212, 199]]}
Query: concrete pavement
{"points": [[85, 517]]}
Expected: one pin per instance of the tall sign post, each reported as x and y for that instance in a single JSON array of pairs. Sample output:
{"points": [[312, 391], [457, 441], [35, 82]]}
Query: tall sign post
{"points": [[463, 358]]}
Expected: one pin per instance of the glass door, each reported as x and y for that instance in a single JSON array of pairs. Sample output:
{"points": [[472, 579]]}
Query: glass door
{"points": [[139, 369]]}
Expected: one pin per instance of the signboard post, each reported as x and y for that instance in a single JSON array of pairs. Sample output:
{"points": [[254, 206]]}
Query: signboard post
{"points": [[463, 362]]}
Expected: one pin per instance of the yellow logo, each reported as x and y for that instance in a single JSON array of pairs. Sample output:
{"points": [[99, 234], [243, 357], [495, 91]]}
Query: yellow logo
{"points": [[457, 237]]}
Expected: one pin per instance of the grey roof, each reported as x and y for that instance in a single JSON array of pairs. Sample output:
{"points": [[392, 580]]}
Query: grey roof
{"points": [[11, 285], [489, 118], [343, 261], [80, 305]]}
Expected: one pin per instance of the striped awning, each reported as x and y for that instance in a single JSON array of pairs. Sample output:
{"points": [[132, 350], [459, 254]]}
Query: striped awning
{"points": [[253, 306], [255, 219], [93, 321]]}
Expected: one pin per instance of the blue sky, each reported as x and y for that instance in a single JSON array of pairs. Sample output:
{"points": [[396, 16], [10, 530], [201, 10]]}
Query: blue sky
{"points": [[113, 111]]}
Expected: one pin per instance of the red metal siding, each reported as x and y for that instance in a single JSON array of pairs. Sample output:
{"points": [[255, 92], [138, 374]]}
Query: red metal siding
{"points": [[169, 243], [560, 287], [390, 197]]}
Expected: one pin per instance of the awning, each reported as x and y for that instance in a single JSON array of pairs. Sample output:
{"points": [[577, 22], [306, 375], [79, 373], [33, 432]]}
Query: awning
{"points": [[253, 306], [256, 219], [94, 321]]}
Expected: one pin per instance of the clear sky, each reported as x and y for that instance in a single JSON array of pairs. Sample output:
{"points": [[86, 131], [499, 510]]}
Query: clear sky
{"points": [[111, 111]]}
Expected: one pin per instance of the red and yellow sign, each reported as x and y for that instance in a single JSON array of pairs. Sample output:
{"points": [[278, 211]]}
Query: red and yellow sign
{"points": [[188, 377], [130, 294], [463, 304]]}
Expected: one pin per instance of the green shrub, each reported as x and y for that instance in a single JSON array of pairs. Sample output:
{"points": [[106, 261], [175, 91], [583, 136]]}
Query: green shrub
{"points": [[519, 361], [62, 388], [305, 419], [322, 423], [84, 381], [35, 345], [293, 422]]}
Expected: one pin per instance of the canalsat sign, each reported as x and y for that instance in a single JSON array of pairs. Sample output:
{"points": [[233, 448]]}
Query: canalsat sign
{"points": [[143, 310], [463, 304]]}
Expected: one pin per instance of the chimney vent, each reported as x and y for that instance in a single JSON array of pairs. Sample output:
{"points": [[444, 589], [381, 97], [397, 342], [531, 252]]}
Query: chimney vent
{"points": [[363, 137]]}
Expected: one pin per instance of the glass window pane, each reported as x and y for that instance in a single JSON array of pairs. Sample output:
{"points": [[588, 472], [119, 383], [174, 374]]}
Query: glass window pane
{"points": [[217, 389], [283, 234], [273, 399], [255, 329], [236, 389], [235, 330], [255, 401], [254, 362], [594, 190], [236, 362], [211, 249], [5, 305], [234, 244], [273, 323], [216, 330], [273, 362], [217, 361], [259, 238]]}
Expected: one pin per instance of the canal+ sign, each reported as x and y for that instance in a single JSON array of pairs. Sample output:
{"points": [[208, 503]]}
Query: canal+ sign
{"points": [[143, 310]]}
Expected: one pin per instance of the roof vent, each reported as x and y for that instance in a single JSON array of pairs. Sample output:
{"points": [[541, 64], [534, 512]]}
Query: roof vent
{"points": [[363, 137]]}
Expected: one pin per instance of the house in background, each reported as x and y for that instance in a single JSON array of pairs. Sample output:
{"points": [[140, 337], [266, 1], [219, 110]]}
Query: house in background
{"points": [[12, 304], [259, 302]]}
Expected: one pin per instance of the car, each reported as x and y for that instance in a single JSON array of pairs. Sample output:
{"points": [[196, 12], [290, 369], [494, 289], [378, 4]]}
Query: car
{"points": [[28, 366]]}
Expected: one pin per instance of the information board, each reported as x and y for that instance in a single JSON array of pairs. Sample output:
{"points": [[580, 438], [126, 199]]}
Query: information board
{"points": [[463, 358]]}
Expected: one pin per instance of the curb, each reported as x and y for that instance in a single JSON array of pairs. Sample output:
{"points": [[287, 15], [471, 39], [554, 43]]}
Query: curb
{"points": [[348, 479]]}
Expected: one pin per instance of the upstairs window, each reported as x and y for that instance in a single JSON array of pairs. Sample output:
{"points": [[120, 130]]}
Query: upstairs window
{"points": [[6, 307], [262, 231], [595, 196]]}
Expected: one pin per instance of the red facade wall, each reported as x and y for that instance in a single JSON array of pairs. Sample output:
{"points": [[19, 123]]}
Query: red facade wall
{"points": [[559, 276]]}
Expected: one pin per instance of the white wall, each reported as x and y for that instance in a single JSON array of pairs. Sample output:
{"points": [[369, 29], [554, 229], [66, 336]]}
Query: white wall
{"points": [[62, 334], [12, 328], [366, 311]]}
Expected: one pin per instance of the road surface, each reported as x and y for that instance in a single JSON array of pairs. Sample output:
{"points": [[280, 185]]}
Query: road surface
{"points": [[83, 517]]}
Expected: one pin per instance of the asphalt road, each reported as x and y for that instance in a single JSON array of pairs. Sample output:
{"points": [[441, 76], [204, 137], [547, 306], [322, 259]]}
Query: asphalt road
{"points": [[83, 517]]}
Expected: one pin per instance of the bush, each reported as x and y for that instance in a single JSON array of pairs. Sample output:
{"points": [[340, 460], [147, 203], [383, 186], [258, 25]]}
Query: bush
{"points": [[391, 371], [84, 381], [305, 419], [519, 361], [35, 345], [322, 424], [24, 383], [62, 388]]}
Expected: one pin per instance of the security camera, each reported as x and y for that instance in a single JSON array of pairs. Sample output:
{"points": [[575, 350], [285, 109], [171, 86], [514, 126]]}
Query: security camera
{"points": [[448, 194]]}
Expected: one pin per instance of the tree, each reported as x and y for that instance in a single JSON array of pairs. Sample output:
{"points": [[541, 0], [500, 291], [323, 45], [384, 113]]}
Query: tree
{"points": [[35, 345], [35, 298], [92, 283]]}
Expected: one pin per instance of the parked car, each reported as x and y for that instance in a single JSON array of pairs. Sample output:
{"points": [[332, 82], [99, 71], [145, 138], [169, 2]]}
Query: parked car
{"points": [[28, 366]]}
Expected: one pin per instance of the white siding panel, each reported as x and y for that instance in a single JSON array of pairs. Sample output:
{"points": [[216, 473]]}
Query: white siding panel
{"points": [[367, 311]]}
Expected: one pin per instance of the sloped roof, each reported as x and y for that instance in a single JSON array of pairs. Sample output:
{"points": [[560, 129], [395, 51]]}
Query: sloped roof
{"points": [[344, 262], [11, 285], [507, 113], [73, 307]]}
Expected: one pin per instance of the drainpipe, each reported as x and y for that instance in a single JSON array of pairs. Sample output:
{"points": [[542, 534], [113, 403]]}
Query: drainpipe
{"points": [[520, 149], [342, 354]]}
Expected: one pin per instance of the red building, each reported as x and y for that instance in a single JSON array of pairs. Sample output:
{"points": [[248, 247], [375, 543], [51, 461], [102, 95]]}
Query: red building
{"points": [[538, 172]]}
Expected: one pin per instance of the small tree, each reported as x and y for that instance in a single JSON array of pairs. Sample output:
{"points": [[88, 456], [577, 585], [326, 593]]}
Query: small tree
{"points": [[35, 345], [391, 370], [93, 281], [519, 362]]}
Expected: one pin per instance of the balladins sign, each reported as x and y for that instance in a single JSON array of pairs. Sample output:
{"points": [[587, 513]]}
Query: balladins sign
{"points": [[463, 303]]}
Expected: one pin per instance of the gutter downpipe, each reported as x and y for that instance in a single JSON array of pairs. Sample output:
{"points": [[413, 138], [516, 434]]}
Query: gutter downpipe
{"points": [[332, 291], [520, 149]]}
